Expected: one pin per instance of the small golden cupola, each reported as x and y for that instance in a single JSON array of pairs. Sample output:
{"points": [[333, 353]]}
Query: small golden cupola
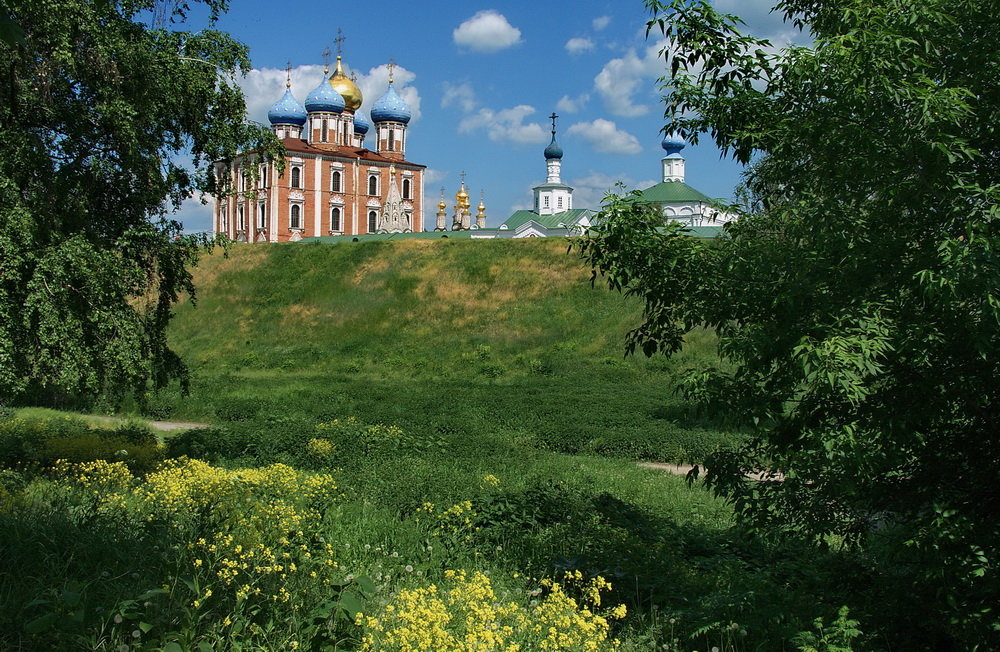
{"points": [[347, 88]]}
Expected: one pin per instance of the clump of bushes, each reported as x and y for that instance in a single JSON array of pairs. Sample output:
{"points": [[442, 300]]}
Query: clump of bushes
{"points": [[308, 445], [36, 443]]}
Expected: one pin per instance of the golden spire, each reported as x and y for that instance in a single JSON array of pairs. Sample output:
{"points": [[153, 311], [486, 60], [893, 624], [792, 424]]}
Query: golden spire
{"points": [[442, 205], [341, 83], [288, 75], [482, 203], [392, 68]]}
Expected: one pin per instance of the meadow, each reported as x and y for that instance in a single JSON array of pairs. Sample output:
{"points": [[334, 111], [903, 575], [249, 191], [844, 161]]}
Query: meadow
{"points": [[415, 446]]}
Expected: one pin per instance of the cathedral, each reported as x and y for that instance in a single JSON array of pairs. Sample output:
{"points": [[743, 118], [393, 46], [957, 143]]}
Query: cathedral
{"points": [[332, 184]]}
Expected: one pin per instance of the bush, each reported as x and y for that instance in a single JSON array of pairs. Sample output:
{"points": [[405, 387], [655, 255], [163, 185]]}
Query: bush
{"points": [[210, 444], [101, 445], [136, 432], [31, 442], [238, 409], [23, 439]]}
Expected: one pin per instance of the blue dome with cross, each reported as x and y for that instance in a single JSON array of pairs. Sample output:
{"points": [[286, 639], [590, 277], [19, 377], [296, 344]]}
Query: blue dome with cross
{"points": [[324, 99], [391, 108], [287, 111]]}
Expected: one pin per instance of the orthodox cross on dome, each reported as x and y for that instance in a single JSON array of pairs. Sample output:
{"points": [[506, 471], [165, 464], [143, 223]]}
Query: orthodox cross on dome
{"points": [[462, 175], [392, 69], [326, 60], [340, 42], [553, 119], [288, 75], [354, 76]]}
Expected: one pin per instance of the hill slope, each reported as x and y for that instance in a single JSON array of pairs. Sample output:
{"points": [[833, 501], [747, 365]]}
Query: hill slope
{"points": [[503, 339]]}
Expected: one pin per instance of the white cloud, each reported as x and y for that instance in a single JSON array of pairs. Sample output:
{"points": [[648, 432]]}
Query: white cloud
{"points": [[761, 21], [487, 31], [603, 21], [505, 125], [262, 87], [622, 78], [605, 137], [194, 215], [568, 104], [374, 85], [590, 189], [460, 95], [433, 177], [578, 45]]}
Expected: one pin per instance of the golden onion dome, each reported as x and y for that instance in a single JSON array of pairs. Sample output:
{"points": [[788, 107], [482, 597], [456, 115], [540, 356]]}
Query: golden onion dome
{"points": [[442, 205], [481, 207], [347, 88]]}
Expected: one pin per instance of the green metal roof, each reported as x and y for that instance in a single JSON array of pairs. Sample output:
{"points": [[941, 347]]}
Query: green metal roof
{"points": [[673, 191], [548, 221]]}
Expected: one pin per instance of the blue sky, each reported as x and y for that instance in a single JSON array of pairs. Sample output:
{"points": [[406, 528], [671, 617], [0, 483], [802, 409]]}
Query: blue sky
{"points": [[482, 79]]}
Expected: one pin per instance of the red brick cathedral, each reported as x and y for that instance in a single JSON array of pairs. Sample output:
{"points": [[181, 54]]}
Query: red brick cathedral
{"points": [[332, 184]]}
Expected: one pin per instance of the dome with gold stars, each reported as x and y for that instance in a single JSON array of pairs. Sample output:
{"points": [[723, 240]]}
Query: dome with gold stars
{"points": [[347, 88]]}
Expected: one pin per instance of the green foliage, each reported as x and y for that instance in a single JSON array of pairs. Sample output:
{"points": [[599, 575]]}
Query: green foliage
{"points": [[96, 111], [856, 299], [835, 637], [34, 443]]}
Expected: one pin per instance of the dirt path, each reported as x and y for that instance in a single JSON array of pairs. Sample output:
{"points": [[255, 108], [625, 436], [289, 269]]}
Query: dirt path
{"points": [[162, 426], [676, 469], [682, 469]]}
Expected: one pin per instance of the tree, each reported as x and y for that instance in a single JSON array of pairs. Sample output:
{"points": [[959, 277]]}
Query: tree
{"points": [[856, 300], [95, 110]]}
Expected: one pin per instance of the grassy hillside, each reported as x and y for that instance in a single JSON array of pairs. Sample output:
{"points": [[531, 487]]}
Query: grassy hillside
{"points": [[504, 339]]}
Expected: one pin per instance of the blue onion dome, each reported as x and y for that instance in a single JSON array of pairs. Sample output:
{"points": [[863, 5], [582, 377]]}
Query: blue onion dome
{"points": [[673, 144], [323, 98], [391, 108], [553, 151], [287, 110], [361, 126]]}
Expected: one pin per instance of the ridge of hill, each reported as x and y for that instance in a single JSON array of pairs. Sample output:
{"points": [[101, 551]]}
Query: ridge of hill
{"points": [[505, 340]]}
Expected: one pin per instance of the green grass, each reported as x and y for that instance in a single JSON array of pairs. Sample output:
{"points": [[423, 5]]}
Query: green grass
{"points": [[495, 359], [506, 338]]}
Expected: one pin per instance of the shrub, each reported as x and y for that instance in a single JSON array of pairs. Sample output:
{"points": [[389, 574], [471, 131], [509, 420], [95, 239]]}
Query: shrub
{"points": [[211, 444], [466, 613], [136, 432], [97, 445], [22, 440], [492, 370], [540, 367], [238, 409]]}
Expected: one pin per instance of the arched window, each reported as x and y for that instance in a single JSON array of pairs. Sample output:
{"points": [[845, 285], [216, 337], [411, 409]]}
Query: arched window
{"points": [[324, 132], [262, 178], [406, 189], [296, 220], [240, 218], [372, 221], [335, 219], [335, 181], [260, 216], [373, 185], [392, 140], [296, 177]]}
